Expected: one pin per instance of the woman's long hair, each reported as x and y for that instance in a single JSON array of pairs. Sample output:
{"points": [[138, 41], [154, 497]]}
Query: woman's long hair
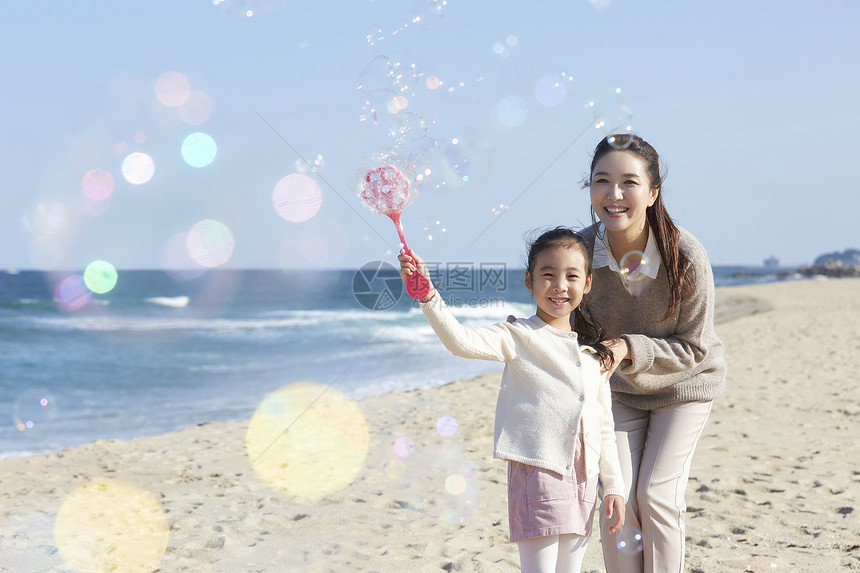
{"points": [[666, 233]]}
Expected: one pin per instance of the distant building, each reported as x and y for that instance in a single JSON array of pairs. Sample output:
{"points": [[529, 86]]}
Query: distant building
{"points": [[771, 262]]}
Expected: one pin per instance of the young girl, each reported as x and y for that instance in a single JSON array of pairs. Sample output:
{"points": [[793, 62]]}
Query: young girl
{"points": [[553, 416], [670, 360]]}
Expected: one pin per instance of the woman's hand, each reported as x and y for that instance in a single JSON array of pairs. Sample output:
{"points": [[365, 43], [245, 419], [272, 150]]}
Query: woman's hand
{"points": [[615, 506], [620, 351], [409, 263]]}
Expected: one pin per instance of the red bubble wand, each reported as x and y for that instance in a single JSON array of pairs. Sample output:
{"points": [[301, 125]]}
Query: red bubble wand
{"points": [[386, 190]]}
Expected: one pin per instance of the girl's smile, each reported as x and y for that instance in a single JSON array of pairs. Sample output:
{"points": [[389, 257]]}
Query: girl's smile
{"points": [[558, 280]]}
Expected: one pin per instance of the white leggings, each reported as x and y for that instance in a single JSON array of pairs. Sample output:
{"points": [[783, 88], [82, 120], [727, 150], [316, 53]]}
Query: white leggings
{"points": [[552, 553]]}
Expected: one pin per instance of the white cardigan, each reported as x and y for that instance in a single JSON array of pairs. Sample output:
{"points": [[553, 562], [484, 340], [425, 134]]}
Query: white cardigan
{"points": [[549, 382]]}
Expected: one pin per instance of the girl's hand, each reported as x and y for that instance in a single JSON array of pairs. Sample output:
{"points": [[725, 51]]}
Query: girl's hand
{"points": [[620, 351], [411, 262], [615, 506]]}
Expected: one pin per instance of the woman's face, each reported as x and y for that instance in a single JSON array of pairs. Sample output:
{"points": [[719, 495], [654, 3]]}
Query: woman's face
{"points": [[621, 191]]}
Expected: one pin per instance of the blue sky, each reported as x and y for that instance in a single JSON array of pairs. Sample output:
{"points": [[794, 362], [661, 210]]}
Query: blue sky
{"points": [[753, 106]]}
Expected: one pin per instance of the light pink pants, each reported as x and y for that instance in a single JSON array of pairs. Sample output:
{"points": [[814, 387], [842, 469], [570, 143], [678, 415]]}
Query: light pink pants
{"points": [[656, 449]]}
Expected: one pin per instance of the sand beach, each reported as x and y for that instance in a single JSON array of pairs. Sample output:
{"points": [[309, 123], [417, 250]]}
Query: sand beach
{"points": [[406, 481]]}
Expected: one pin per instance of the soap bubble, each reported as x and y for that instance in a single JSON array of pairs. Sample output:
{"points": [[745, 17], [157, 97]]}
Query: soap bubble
{"points": [[376, 74], [379, 107], [33, 409], [628, 540], [467, 161], [612, 117], [434, 230], [428, 14], [633, 265], [375, 36]]}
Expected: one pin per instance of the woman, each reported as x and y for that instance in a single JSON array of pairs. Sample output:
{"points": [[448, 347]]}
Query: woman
{"points": [[653, 288]]}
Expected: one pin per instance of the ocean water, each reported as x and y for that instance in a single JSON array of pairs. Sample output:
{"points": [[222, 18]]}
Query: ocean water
{"points": [[162, 351]]}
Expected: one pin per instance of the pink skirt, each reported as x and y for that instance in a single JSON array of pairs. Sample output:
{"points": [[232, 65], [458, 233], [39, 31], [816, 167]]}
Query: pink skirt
{"points": [[542, 502]]}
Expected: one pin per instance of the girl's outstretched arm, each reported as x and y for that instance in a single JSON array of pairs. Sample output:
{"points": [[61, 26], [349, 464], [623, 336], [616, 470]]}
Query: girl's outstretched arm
{"points": [[498, 342]]}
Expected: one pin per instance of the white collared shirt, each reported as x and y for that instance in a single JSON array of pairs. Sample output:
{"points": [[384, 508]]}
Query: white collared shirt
{"points": [[637, 281]]}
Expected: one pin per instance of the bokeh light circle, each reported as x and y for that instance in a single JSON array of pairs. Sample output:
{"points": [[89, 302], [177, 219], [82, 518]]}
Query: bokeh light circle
{"points": [[297, 197], [97, 184], [110, 525], [33, 409], [199, 149], [404, 446], [446, 426], [210, 243], [138, 168], [100, 277], [550, 90], [172, 89], [50, 217], [629, 540], [512, 111], [455, 484], [633, 265], [308, 440], [196, 109], [72, 293]]}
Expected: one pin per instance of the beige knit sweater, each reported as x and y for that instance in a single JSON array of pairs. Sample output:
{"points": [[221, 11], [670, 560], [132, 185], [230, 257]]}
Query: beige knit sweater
{"points": [[679, 359]]}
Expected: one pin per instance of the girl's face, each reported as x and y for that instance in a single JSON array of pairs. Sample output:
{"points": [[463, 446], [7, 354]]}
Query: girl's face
{"points": [[558, 282], [620, 192]]}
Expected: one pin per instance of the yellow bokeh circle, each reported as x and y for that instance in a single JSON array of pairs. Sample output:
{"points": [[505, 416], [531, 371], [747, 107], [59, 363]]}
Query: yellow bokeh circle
{"points": [[308, 440], [111, 525]]}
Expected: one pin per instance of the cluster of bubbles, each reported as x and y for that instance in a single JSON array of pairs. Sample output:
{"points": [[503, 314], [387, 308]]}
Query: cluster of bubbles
{"points": [[434, 230], [426, 15], [386, 182], [307, 440], [613, 119]]}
